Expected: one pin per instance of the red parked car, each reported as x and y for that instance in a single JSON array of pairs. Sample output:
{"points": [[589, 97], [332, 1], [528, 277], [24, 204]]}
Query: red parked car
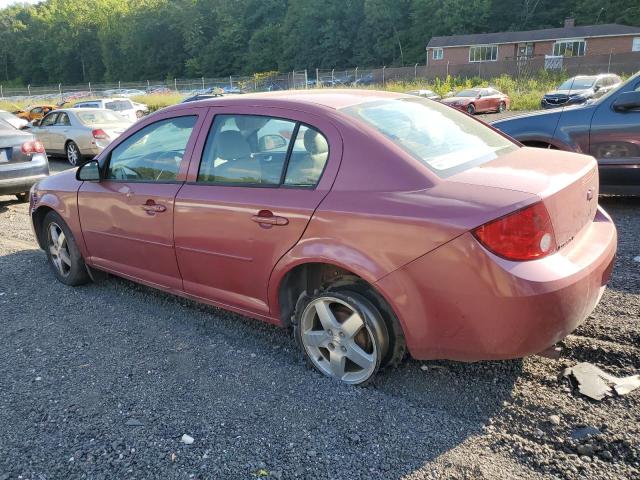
{"points": [[479, 100], [371, 222]]}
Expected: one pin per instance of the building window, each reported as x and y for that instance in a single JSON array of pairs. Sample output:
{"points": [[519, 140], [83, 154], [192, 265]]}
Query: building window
{"points": [[483, 53], [438, 54], [636, 45], [569, 48]]}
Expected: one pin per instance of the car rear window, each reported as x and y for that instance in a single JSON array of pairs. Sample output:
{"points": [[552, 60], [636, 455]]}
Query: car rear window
{"points": [[6, 126], [99, 117], [118, 105], [446, 141]]}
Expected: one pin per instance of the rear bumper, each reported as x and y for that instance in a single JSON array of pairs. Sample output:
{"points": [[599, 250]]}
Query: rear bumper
{"points": [[461, 302], [19, 177]]}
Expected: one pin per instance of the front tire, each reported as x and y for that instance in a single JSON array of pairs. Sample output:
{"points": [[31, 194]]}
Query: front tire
{"points": [[502, 107], [62, 251], [342, 335], [23, 197], [139, 114], [73, 153], [471, 109]]}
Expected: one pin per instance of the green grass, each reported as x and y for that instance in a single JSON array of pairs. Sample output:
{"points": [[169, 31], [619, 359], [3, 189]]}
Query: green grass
{"points": [[159, 100], [525, 93]]}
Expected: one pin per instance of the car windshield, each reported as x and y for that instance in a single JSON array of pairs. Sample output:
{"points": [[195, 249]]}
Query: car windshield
{"points": [[99, 117], [444, 140], [468, 93], [118, 105], [578, 83]]}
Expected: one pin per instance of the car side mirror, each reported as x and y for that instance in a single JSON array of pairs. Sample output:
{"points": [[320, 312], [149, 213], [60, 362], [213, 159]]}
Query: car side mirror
{"points": [[36, 123], [627, 101], [596, 88], [89, 172], [479, 95], [272, 142]]}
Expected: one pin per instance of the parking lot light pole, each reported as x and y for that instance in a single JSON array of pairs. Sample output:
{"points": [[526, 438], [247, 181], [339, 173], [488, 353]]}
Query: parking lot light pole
{"points": [[29, 89], [384, 67], [1, 94]]}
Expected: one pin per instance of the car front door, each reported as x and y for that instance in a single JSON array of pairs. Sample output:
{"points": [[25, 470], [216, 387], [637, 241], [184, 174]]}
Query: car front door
{"points": [[127, 218], [614, 140], [43, 131], [484, 103], [249, 200]]}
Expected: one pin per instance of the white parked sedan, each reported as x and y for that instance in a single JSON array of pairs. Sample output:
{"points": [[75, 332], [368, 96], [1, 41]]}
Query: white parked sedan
{"points": [[124, 106], [79, 132]]}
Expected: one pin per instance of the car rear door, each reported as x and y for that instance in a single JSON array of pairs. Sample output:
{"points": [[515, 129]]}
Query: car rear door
{"points": [[58, 132], [249, 200], [614, 140], [127, 218]]}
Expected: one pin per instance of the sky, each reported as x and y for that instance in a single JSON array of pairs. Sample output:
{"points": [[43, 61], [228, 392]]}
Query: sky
{"points": [[6, 3]]}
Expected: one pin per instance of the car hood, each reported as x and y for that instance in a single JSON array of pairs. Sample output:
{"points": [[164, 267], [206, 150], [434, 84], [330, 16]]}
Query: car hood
{"points": [[456, 100], [545, 115], [569, 92]]}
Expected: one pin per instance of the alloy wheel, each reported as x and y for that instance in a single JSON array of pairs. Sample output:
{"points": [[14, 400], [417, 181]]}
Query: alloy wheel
{"points": [[337, 340], [59, 249], [73, 154]]}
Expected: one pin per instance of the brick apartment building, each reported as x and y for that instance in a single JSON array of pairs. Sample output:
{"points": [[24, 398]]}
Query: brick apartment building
{"points": [[547, 48]]}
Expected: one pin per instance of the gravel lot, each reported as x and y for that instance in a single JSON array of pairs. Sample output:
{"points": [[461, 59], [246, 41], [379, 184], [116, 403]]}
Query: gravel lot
{"points": [[103, 380]]}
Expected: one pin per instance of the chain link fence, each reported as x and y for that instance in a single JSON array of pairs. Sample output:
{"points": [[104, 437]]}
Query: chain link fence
{"points": [[516, 67]]}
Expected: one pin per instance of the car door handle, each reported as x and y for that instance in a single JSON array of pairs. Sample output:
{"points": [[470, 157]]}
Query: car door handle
{"points": [[152, 207], [266, 217]]}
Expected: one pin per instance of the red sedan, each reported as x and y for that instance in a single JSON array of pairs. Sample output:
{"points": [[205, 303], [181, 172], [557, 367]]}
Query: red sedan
{"points": [[372, 223], [479, 100]]}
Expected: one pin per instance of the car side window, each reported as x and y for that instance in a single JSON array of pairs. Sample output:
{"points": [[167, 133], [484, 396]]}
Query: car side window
{"points": [[308, 158], [246, 150], [49, 120], [154, 153], [63, 120], [36, 110]]}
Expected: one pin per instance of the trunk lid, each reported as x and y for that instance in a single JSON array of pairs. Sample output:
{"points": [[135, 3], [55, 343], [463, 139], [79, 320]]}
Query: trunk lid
{"points": [[11, 147], [114, 130], [566, 182]]}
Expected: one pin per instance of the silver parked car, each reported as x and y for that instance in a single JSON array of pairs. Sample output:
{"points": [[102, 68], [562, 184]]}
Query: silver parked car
{"points": [[79, 132], [23, 161], [12, 119]]}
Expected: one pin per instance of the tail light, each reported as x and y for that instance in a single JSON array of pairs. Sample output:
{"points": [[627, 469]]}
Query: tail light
{"points": [[523, 235], [29, 148], [99, 134]]}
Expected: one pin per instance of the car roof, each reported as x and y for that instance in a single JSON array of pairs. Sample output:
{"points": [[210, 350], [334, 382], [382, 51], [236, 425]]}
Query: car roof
{"points": [[329, 98]]}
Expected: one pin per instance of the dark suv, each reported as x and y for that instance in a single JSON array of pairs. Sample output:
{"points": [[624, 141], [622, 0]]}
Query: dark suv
{"points": [[608, 128], [580, 89]]}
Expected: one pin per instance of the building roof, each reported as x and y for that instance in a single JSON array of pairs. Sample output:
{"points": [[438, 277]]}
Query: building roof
{"points": [[583, 31]]}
